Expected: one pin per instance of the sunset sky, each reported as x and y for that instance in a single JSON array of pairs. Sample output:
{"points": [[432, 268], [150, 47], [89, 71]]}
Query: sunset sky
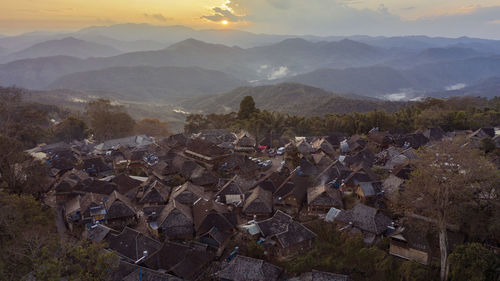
{"points": [[319, 17]]}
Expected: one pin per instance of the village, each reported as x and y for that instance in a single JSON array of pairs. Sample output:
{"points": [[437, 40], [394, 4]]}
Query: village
{"points": [[193, 206]]}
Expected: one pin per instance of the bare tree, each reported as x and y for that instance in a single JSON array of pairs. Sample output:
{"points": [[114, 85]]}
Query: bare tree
{"points": [[447, 176]]}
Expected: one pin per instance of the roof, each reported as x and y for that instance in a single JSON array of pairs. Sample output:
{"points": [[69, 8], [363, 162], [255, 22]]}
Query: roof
{"points": [[208, 214], [205, 148], [188, 193], [323, 195], [316, 275], [243, 268], [391, 184], [218, 235], [365, 218], [176, 218], [185, 261], [98, 232], [118, 206], [146, 274], [156, 192], [130, 142], [259, 201], [131, 244], [125, 183], [230, 188], [293, 185], [285, 229], [367, 188]]}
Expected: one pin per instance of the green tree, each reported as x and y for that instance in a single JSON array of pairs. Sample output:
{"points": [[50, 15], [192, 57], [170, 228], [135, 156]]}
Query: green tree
{"points": [[247, 108], [152, 127], [109, 121], [473, 262], [71, 128]]}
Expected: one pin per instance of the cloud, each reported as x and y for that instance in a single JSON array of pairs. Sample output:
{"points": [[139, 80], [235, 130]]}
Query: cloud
{"points": [[158, 17], [281, 4], [338, 17], [455, 87], [222, 14], [281, 72]]}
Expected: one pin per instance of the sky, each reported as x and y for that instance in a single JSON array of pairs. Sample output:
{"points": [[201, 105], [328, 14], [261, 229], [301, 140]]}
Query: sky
{"points": [[451, 18]]}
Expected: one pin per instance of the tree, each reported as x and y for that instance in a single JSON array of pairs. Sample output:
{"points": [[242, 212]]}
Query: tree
{"points": [[247, 108], [109, 121], [446, 178], [152, 127], [71, 128], [473, 262], [19, 171]]}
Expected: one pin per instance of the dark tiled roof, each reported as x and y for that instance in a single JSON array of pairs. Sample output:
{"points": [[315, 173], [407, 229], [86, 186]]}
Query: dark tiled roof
{"points": [[118, 206], [176, 219], [323, 195], [365, 218], [208, 214], [182, 260], [131, 244], [243, 268], [285, 229], [259, 201], [146, 274], [156, 192], [188, 193], [125, 183]]}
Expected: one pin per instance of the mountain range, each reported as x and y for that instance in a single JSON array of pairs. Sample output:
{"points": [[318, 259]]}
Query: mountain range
{"points": [[151, 63], [293, 98]]}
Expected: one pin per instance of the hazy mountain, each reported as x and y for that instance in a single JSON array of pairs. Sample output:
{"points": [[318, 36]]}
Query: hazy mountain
{"points": [[172, 34], [291, 98], [38, 73], [433, 55], [68, 46], [384, 81], [149, 84], [489, 87], [369, 81], [300, 55]]}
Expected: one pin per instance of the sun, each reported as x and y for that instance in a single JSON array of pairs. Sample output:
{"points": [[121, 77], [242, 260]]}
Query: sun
{"points": [[224, 22]]}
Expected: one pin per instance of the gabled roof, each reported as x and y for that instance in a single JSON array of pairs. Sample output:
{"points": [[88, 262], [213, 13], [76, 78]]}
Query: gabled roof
{"points": [[219, 236], [98, 232], [294, 185], [156, 192], [175, 214], [184, 261], [243, 268], [125, 183], [131, 244], [322, 195], [259, 201], [208, 214], [130, 142], [146, 274], [230, 188], [118, 206], [188, 193], [205, 148], [287, 231], [365, 218]]}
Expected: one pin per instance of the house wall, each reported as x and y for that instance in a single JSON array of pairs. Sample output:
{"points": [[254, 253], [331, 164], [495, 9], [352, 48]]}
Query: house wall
{"points": [[409, 254], [319, 209]]}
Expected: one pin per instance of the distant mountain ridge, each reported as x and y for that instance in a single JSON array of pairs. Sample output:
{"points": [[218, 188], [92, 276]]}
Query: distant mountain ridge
{"points": [[145, 83], [290, 98], [68, 46]]}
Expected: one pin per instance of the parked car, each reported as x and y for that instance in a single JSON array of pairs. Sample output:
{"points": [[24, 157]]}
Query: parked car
{"points": [[280, 151]]}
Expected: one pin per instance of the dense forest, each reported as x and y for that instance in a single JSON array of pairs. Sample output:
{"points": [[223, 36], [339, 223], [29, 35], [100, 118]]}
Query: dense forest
{"points": [[449, 114]]}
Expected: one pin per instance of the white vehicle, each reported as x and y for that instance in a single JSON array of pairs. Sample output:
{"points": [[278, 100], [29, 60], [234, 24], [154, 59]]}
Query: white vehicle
{"points": [[280, 151]]}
